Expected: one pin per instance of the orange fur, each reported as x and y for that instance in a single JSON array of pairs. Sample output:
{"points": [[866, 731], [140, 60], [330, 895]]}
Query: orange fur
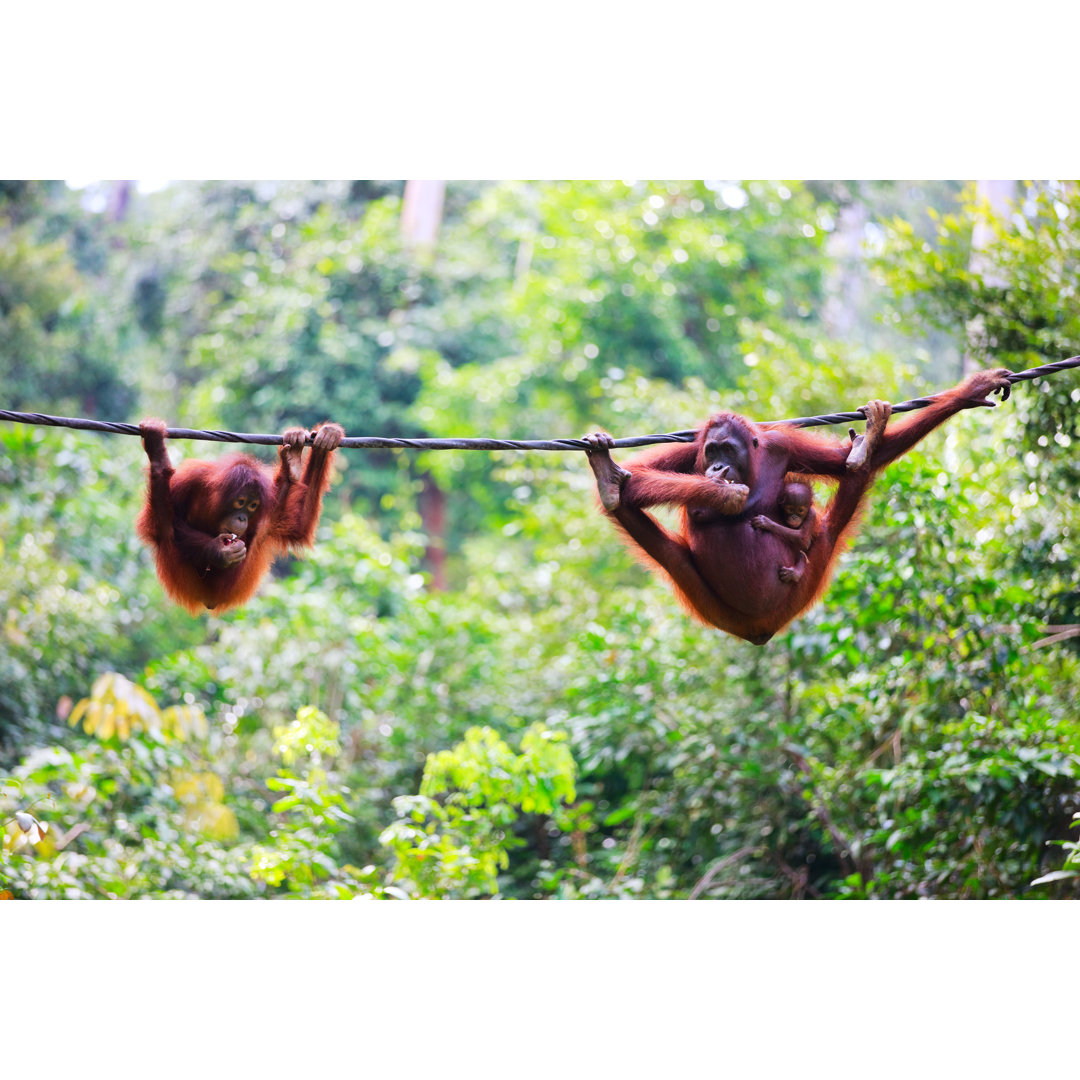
{"points": [[184, 507], [722, 569]]}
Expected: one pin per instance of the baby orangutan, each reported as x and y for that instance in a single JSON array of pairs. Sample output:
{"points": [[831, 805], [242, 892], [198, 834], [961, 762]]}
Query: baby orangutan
{"points": [[801, 526], [216, 526], [802, 523]]}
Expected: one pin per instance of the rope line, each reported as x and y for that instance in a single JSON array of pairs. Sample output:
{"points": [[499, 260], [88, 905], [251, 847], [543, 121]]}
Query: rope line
{"points": [[374, 442]]}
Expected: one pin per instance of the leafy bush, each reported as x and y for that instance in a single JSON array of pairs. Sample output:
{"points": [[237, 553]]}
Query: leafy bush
{"points": [[456, 847]]}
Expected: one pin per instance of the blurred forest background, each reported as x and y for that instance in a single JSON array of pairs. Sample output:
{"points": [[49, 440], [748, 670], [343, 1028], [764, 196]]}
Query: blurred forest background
{"points": [[470, 688]]}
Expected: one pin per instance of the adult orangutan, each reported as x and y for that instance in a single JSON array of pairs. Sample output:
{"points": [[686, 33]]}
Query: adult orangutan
{"points": [[216, 526], [722, 559]]}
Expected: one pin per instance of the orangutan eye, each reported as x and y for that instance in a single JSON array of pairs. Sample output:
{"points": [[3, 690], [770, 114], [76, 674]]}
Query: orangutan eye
{"points": [[253, 505], [239, 504]]}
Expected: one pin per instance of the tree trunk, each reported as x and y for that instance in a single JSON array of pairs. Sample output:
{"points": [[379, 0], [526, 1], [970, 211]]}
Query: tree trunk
{"points": [[432, 507], [421, 215], [421, 211]]}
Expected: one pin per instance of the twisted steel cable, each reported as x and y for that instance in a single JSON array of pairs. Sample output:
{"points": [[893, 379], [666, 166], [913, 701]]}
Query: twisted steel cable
{"points": [[376, 442]]}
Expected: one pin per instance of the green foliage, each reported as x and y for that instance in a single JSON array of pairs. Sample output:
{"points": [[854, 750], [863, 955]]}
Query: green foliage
{"points": [[1014, 295], [915, 735], [658, 278], [127, 817], [1017, 302], [301, 853], [1071, 869], [1018, 284], [56, 354], [83, 596], [149, 818], [456, 848]]}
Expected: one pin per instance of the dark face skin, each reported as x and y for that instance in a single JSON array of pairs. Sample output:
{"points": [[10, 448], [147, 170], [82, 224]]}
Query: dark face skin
{"points": [[725, 454], [238, 516], [795, 502]]}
